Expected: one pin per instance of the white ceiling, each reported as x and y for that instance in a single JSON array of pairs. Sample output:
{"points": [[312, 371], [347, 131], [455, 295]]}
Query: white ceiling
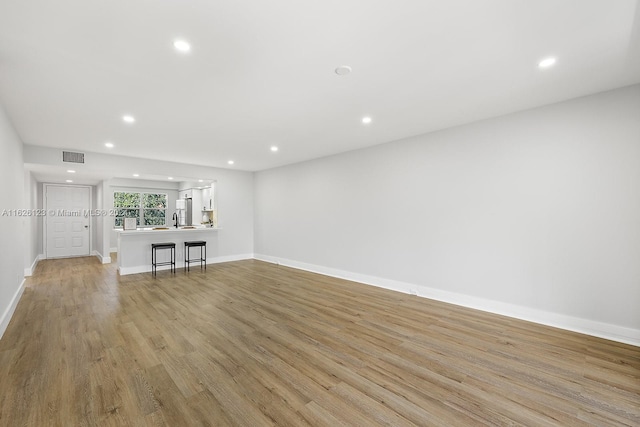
{"points": [[262, 73]]}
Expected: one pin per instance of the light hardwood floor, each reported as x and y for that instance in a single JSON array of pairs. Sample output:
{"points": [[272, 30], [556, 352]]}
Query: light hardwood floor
{"points": [[253, 344]]}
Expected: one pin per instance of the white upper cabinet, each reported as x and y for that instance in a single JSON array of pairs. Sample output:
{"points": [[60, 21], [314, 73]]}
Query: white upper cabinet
{"points": [[207, 199]]}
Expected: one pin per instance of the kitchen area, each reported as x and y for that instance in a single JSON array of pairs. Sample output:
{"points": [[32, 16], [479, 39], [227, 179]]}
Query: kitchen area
{"points": [[195, 206], [190, 213]]}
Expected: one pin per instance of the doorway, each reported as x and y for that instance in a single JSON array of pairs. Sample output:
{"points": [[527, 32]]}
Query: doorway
{"points": [[67, 225]]}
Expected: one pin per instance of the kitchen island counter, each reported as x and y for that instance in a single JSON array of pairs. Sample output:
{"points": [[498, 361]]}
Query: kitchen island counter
{"points": [[167, 230], [134, 246]]}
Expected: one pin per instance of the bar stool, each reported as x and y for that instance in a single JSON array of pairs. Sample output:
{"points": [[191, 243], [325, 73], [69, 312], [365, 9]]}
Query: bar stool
{"points": [[187, 258], [155, 263]]}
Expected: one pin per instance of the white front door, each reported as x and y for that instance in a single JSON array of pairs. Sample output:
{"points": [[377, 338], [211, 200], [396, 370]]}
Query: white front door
{"points": [[67, 232]]}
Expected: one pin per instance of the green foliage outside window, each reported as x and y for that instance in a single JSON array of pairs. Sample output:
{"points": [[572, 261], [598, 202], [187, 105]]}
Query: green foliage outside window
{"points": [[155, 201], [147, 208], [126, 200], [154, 216]]}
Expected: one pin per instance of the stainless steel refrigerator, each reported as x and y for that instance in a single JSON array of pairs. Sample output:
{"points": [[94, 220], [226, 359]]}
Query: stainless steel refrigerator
{"points": [[184, 209]]}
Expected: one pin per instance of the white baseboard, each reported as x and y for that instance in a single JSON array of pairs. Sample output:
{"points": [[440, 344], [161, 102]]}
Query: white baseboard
{"points": [[229, 258], [101, 258], [29, 270], [112, 250], [216, 260], [8, 313], [585, 326]]}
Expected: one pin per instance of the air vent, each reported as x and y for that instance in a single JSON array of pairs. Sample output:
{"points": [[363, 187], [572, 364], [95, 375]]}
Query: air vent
{"points": [[71, 157]]}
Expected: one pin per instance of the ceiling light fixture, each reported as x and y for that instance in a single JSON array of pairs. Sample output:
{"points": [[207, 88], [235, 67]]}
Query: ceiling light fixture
{"points": [[343, 70], [231, 162], [200, 180], [71, 171], [69, 180], [136, 175], [182, 46], [108, 144], [366, 120], [547, 62], [274, 148], [128, 119], [170, 177]]}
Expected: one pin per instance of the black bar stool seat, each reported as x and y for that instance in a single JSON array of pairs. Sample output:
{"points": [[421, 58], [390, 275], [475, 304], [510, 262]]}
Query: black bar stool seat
{"points": [[154, 257], [195, 244]]}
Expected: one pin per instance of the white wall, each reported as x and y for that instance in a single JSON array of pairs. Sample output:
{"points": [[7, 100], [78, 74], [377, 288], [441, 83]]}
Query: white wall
{"points": [[98, 222], [94, 221], [534, 215], [31, 223], [107, 222], [12, 228], [40, 221]]}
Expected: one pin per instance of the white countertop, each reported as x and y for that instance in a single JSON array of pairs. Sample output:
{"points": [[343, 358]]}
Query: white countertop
{"points": [[170, 230]]}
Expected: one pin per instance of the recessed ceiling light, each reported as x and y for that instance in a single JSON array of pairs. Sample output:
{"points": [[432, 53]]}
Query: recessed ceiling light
{"points": [[69, 180], [274, 148], [108, 144], [231, 162], [200, 180], [547, 62], [182, 46], [71, 171], [128, 119], [170, 177], [136, 175], [343, 70], [366, 120]]}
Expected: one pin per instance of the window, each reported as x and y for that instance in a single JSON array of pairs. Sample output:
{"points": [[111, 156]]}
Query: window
{"points": [[154, 207], [147, 208], [127, 205]]}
